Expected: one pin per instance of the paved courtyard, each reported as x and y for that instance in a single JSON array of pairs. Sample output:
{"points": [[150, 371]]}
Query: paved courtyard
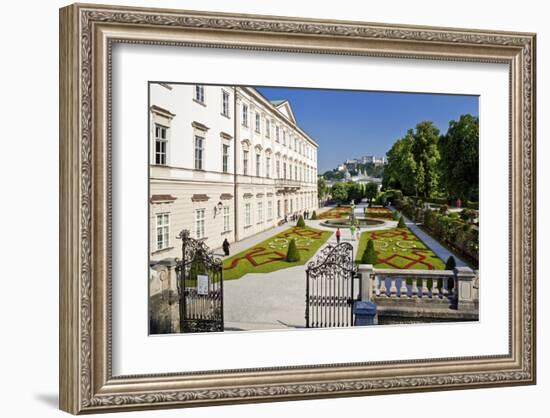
{"points": [[276, 300]]}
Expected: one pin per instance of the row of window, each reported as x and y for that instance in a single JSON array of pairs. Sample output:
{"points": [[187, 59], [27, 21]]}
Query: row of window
{"points": [[163, 219], [293, 142], [163, 226], [295, 172], [199, 97], [260, 213], [290, 205]]}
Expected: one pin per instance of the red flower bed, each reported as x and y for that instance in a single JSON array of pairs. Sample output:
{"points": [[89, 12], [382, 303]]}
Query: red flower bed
{"points": [[335, 213], [380, 213]]}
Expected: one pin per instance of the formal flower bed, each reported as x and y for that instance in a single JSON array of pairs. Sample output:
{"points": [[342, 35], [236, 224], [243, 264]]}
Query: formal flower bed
{"points": [[270, 255], [379, 213], [400, 248], [335, 213]]}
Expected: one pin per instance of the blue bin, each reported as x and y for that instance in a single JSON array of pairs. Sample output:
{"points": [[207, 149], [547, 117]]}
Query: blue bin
{"points": [[365, 313]]}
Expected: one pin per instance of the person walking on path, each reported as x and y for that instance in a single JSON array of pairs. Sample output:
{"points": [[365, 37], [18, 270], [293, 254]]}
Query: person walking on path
{"points": [[225, 247], [338, 233], [358, 233]]}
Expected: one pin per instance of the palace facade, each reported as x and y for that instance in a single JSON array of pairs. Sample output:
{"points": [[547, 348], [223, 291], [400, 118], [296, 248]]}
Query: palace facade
{"points": [[225, 162]]}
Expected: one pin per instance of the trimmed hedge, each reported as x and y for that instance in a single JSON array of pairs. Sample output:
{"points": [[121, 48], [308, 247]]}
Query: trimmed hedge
{"points": [[292, 253], [369, 255], [454, 232], [472, 205], [401, 223], [449, 229], [301, 223], [450, 264], [314, 216]]}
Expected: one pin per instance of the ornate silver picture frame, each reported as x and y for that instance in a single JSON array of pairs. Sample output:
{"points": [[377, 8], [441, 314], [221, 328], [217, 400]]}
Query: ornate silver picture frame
{"points": [[87, 36]]}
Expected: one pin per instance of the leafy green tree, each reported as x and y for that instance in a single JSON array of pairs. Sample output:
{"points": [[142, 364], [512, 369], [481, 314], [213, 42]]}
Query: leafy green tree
{"points": [[373, 170], [371, 191], [301, 223], [339, 192], [292, 253], [426, 155], [369, 255], [355, 191], [459, 163], [419, 180], [401, 168], [322, 189]]}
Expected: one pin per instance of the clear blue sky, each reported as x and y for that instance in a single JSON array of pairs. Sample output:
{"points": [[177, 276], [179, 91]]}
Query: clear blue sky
{"points": [[348, 124]]}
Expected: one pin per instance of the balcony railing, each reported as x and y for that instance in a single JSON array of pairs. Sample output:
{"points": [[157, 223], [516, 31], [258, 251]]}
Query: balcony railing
{"points": [[427, 284], [457, 289], [287, 183]]}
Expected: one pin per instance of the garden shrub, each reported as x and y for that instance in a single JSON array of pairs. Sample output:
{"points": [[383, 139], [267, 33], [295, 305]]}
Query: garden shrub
{"points": [[401, 223], [438, 200], [468, 215], [381, 200], [472, 205], [454, 232], [314, 216], [396, 216], [418, 214], [369, 255], [444, 209], [407, 206], [393, 196], [301, 223], [292, 253]]}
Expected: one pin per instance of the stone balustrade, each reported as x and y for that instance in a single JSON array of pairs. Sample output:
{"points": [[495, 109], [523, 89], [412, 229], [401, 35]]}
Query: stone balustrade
{"points": [[438, 289]]}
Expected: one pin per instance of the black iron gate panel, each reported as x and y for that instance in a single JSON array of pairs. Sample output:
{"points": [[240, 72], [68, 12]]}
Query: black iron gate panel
{"points": [[330, 288], [200, 287]]}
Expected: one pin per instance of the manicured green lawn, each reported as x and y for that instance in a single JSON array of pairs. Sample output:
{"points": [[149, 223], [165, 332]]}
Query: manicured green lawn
{"points": [[269, 255], [400, 248]]}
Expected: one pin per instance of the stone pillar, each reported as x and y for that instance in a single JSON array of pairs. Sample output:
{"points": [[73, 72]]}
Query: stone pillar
{"points": [[173, 296], [464, 289], [366, 272]]}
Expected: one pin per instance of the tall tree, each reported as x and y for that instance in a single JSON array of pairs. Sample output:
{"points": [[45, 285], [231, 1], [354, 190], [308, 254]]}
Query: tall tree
{"points": [[322, 188], [355, 191], [371, 191], [459, 163], [426, 155], [401, 168], [339, 192]]}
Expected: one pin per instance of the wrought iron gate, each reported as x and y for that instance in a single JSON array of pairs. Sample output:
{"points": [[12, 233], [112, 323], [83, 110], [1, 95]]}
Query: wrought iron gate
{"points": [[200, 287], [330, 287]]}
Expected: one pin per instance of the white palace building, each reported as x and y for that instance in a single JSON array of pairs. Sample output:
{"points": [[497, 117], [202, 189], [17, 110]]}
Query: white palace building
{"points": [[225, 162]]}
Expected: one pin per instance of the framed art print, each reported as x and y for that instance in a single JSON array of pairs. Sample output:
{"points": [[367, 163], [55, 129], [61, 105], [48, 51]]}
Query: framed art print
{"points": [[242, 194]]}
